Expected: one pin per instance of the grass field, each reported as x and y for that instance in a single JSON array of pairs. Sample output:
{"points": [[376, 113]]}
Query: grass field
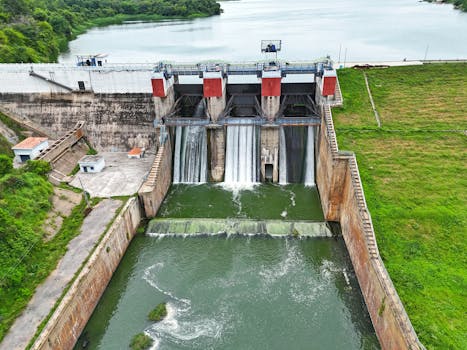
{"points": [[414, 175]]}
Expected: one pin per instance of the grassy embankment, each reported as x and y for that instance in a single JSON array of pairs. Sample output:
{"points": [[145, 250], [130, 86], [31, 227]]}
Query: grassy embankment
{"points": [[26, 259], [414, 176]]}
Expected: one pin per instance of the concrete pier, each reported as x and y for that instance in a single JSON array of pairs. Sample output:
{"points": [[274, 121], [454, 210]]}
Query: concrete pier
{"points": [[214, 87], [270, 153], [216, 153]]}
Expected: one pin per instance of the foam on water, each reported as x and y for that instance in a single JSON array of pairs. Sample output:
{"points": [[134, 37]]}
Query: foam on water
{"points": [[149, 277]]}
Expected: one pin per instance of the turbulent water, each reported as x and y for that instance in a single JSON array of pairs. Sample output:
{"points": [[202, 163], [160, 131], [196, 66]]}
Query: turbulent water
{"points": [[234, 294], [190, 155]]}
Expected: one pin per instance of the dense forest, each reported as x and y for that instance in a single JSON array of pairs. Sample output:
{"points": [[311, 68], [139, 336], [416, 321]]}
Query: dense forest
{"points": [[38, 30]]}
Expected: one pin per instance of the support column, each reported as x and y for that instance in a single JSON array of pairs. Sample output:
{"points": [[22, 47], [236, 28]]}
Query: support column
{"points": [[326, 86], [214, 87], [271, 93], [163, 94], [270, 153], [216, 153]]}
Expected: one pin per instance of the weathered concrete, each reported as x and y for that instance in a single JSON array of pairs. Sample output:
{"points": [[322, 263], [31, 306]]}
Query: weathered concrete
{"points": [[114, 122], [154, 189], [47, 294], [270, 106], [216, 154], [120, 177], [270, 151], [69, 319], [162, 105], [343, 200]]}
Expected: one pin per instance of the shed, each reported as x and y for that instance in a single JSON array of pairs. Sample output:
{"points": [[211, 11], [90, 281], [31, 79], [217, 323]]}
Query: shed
{"points": [[91, 164], [30, 148], [136, 152]]}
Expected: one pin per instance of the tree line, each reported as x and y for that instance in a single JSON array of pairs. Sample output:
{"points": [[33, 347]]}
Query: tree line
{"points": [[38, 30], [459, 4]]}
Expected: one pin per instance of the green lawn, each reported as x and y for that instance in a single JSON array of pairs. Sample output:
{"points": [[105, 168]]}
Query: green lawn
{"points": [[414, 176]]}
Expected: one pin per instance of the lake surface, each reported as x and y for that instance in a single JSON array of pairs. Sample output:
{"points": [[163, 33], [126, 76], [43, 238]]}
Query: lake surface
{"points": [[366, 30], [234, 293]]}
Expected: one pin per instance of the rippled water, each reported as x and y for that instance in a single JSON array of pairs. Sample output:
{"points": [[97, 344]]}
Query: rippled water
{"points": [[367, 30], [235, 293]]}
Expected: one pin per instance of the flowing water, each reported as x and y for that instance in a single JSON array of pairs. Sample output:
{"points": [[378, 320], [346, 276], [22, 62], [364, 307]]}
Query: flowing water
{"points": [[241, 163], [358, 30], [310, 158], [190, 155], [237, 293]]}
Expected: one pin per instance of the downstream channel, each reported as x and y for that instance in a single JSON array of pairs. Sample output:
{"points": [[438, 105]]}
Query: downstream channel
{"points": [[231, 291]]}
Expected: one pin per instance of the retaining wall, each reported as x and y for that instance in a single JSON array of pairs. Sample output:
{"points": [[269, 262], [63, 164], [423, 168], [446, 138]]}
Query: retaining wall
{"points": [[113, 122], [343, 200], [154, 189], [75, 309]]}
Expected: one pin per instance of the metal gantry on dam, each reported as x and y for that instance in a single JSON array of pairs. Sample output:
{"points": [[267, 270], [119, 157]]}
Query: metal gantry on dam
{"points": [[260, 92]]}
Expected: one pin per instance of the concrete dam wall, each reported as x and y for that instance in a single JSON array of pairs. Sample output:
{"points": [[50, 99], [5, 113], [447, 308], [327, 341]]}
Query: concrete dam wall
{"points": [[113, 122]]}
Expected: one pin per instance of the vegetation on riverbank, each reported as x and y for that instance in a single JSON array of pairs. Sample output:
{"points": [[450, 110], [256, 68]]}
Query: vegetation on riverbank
{"points": [[26, 259], [38, 30], [459, 4], [412, 171]]}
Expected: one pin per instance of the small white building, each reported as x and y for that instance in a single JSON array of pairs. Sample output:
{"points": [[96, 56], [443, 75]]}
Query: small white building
{"points": [[91, 164], [30, 148]]}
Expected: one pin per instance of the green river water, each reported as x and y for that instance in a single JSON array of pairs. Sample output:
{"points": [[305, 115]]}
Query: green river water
{"points": [[234, 292]]}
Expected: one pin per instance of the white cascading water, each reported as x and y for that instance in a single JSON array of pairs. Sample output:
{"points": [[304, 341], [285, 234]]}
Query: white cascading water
{"points": [[310, 158], [240, 157], [282, 159], [190, 155]]}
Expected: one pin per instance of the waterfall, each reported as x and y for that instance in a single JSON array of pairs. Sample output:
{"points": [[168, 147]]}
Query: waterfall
{"points": [[282, 159], [240, 158], [310, 158], [190, 155]]}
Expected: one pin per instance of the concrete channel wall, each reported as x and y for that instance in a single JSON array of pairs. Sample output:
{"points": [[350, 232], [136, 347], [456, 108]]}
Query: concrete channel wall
{"points": [[69, 319], [343, 200], [154, 189]]}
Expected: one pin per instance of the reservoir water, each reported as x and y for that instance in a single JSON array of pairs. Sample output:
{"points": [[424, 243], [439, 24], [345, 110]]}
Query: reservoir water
{"points": [[360, 30]]}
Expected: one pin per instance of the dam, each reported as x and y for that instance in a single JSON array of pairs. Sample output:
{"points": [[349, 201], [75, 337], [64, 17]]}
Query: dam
{"points": [[248, 184]]}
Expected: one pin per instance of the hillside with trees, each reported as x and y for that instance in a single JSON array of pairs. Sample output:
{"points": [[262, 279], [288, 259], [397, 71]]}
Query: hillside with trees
{"points": [[38, 30], [459, 4]]}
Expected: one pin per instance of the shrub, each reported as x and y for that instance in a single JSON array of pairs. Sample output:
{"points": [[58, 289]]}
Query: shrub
{"points": [[140, 341], [159, 312], [6, 165], [39, 167]]}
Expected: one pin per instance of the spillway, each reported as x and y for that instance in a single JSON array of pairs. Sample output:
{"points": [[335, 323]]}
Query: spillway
{"points": [[310, 158], [241, 163], [190, 155]]}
